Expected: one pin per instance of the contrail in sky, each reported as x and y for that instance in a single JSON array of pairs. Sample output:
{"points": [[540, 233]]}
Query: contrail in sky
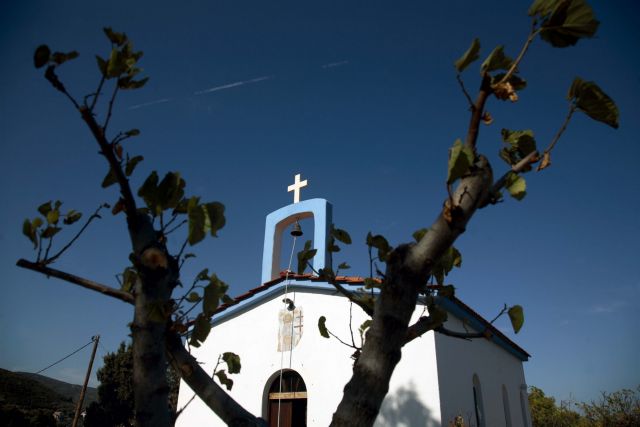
{"points": [[146, 104], [335, 64], [231, 85]]}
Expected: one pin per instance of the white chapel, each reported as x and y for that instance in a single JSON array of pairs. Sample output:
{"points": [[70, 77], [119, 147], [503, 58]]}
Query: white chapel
{"points": [[293, 377]]}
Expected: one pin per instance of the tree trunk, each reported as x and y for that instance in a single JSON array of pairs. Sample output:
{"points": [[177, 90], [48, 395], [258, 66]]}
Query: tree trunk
{"points": [[408, 269]]}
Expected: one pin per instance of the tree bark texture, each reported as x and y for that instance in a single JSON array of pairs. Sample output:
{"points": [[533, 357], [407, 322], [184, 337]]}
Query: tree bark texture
{"points": [[407, 272]]}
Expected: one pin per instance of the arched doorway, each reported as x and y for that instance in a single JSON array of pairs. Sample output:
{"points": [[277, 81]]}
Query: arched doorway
{"points": [[288, 401]]}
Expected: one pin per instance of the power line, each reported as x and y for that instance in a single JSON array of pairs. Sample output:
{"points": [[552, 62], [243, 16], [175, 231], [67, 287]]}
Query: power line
{"points": [[67, 356]]}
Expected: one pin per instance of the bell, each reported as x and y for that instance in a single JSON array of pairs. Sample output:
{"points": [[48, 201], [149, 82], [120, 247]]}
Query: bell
{"points": [[296, 231]]}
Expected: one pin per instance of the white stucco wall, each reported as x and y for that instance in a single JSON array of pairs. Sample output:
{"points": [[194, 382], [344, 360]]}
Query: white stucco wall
{"points": [[459, 360], [324, 364]]}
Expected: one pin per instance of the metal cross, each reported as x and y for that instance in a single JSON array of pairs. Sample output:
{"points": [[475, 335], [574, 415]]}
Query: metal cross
{"points": [[295, 187]]}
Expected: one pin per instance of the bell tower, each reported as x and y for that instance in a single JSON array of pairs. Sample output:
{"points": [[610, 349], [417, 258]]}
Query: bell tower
{"points": [[278, 221]]}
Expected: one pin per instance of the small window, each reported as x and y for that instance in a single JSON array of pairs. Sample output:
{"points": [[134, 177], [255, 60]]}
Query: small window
{"points": [[477, 401], [507, 408]]}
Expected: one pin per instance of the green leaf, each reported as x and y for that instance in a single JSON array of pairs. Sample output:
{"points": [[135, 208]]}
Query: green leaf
{"points": [[365, 325], [193, 297], [215, 218], [45, 208], [117, 64], [131, 164], [132, 132], [71, 217], [170, 192], [203, 275], [50, 232], [41, 56], [29, 229], [201, 329], [564, 22], [341, 235], [53, 216], [129, 279], [516, 315], [469, 56], [102, 65], [127, 83], [224, 380], [542, 7], [441, 268], [521, 142], [109, 179], [419, 234], [233, 362], [60, 58], [322, 327], [379, 242], [460, 159], [213, 292], [197, 218], [305, 255], [592, 100], [517, 186], [149, 191], [115, 38], [344, 266], [496, 60]]}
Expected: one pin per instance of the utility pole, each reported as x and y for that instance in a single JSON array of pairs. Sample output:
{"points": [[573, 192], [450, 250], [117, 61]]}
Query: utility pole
{"points": [[76, 417]]}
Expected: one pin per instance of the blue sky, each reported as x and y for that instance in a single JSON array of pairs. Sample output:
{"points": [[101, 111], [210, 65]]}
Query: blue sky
{"points": [[361, 98]]}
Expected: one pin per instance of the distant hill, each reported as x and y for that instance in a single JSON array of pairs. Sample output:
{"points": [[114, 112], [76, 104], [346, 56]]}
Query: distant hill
{"points": [[31, 391], [67, 390]]}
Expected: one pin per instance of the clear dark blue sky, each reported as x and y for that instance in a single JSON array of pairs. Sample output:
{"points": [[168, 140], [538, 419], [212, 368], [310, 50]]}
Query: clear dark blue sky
{"points": [[361, 98]]}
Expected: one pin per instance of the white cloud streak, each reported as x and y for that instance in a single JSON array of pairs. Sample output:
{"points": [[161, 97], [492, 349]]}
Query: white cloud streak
{"points": [[232, 85], [335, 64], [609, 307], [146, 104]]}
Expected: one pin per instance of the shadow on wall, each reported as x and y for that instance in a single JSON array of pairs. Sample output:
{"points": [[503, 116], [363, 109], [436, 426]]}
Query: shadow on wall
{"points": [[404, 409]]}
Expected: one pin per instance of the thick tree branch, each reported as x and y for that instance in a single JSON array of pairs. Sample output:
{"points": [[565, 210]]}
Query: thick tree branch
{"points": [[408, 268], [211, 393], [477, 111], [353, 298], [77, 280]]}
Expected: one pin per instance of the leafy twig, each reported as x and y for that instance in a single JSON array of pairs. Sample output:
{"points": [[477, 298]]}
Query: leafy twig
{"points": [[68, 245], [503, 311], [572, 109], [110, 109], [97, 93], [464, 90], [514, 66]]}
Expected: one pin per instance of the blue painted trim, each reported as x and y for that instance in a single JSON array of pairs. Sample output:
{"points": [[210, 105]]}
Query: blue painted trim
{"points": [[276, 290], [278, 221]]}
